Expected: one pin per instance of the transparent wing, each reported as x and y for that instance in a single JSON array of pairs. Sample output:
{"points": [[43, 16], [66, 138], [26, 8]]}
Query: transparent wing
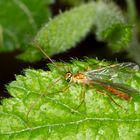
{"points": [[114, 72]]}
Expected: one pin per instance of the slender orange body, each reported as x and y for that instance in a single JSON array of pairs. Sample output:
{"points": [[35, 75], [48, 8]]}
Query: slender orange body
{"points": [[118, 93], [82, 79]]}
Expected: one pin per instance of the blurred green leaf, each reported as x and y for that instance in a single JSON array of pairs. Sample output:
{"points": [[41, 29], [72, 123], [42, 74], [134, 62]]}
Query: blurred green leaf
{"points": [[68, 28], [50, 102], [72, 2], [134, 46], [1, 37], [20, 20]]}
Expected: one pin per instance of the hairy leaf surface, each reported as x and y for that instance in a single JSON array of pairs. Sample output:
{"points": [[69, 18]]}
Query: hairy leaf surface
{"points": [[44, 105], [67, 29]]}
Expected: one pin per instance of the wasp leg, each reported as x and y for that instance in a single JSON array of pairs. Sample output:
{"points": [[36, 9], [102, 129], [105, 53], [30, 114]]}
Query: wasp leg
{"points": [[82, 100], [34, 103], [112, 100]]}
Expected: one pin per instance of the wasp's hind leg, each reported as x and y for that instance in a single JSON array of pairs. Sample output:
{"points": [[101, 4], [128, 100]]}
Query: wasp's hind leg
{"points": [[82, 98], [109, 96]]}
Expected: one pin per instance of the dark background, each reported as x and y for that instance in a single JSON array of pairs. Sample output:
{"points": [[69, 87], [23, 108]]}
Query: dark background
{"points": [[88, 47]]}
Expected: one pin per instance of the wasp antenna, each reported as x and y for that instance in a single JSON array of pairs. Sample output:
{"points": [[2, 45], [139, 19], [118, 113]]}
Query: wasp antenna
{"points": [[37, 46], [96, 58], [60, 11]]}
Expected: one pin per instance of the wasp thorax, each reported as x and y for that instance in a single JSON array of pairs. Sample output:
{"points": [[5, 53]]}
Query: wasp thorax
{"points": [[68, 77]]}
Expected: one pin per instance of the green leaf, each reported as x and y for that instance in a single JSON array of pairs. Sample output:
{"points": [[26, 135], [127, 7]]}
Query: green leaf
{"points": [[131, 11], [68, 28], [72, 2], [62, 32], [20, 20], [112, 27], [44, 107], [1, 37], [133, 49]]}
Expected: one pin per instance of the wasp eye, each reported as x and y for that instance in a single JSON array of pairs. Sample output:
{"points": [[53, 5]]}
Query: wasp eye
{"points": [[68, 77]]}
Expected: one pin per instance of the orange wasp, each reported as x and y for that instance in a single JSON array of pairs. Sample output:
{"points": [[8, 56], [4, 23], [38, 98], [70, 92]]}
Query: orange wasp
{"points": [[108, 78]]}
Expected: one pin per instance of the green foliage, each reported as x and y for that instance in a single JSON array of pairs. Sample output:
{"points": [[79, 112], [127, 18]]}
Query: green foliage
{"points": [[111, 26], [72, 2], [44, 107], [20, 20], [43, 104], [1, 36], [134, 46], [131, 11], [68, 28], [62, 32]]}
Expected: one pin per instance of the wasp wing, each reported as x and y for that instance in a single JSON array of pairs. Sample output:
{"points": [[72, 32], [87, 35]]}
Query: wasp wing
{"points": [[116, 72], [126, 89]]}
